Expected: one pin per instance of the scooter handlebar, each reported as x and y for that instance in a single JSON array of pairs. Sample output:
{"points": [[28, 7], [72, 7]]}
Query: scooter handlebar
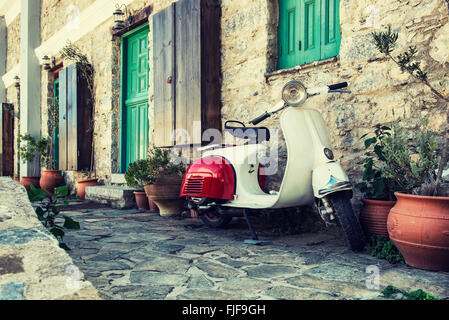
{"points": [[260, 118], [338, 86]]}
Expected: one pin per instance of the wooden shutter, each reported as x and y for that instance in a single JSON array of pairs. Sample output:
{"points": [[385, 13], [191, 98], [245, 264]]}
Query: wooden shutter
{"points": [[188, 66], [164, 72], [7, 143], [187, 50], [75, 108], [63, 162], [289, 34], [330, 28], [311, 22]]}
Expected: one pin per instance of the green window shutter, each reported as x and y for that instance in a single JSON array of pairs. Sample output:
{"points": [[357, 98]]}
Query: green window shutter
{"points": [[289, 34], [330, 28], [311, 34]]}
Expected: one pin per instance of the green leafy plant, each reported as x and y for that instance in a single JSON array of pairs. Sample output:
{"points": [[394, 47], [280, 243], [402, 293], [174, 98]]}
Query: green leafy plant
{"points": [[30, 148], [410, 163], [395, 293], [374, 184], [48, 211], [137, 173], [161, 163], [383, 248], [53, 121], [386, 41]]}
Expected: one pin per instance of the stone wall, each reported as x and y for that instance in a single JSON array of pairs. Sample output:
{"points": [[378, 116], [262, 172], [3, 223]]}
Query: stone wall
{"points": [[55, 14], [32, 266], [250, 84], [13, 40], [381, 93]]}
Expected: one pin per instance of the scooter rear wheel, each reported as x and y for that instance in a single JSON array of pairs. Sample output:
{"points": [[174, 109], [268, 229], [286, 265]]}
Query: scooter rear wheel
{"points": [[347, 220], [214, 219]]}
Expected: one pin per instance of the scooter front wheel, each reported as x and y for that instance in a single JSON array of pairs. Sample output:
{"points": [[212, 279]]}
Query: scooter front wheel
{"points": [[347, 220], [214, 219]]}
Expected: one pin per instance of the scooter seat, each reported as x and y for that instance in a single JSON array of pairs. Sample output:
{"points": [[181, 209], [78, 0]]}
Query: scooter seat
{"points": [[254, 135]]}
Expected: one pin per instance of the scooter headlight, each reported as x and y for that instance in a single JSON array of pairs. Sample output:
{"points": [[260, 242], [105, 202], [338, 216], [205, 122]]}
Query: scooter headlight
{"points": [[294, 93]]}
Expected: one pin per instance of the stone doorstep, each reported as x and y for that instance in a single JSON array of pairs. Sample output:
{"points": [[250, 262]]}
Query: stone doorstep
{"points": [[118, 179], [114, 196]]}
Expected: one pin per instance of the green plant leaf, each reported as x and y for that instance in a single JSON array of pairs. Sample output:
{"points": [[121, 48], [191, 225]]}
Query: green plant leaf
{"points": [[57, 232], [370, 142], [71, 224], [64, 246], [61, 192], [36, 194]]}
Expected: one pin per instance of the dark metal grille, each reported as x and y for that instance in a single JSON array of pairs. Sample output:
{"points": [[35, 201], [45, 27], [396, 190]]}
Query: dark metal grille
{"points": [[194, 185]]}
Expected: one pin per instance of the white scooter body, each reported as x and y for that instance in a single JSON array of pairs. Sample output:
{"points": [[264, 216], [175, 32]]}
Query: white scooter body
{"points": [[308, 174]]}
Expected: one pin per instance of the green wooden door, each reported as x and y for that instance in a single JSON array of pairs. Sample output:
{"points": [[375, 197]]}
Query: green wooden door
{"points": [[56, 129], [135, 127]]}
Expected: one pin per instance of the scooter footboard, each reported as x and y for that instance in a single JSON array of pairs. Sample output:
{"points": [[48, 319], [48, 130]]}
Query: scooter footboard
{"points": [[329, 178]]}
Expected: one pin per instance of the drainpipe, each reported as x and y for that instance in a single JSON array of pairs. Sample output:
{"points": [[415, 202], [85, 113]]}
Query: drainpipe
{"points": [[30, 75]]}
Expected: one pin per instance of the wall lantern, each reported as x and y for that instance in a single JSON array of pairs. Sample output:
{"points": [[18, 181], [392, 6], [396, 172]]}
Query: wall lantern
{"points": [[17, 82], [46, 63], [121, 19]]}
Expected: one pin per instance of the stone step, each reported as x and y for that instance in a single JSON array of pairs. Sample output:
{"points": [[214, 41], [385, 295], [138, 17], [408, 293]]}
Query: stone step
{"points": [[118, 179], [115, 196]]}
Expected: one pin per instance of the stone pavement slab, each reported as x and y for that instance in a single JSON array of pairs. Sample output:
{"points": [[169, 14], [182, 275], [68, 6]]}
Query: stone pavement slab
{"points": [[144, 256]]}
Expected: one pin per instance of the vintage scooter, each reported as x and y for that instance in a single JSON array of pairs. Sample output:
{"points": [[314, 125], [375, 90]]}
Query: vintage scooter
{"points": [[227, 182]]}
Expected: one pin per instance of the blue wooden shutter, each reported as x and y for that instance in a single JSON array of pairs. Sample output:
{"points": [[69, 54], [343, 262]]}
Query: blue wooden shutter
{"points": [[330, 28], [310, 10]]}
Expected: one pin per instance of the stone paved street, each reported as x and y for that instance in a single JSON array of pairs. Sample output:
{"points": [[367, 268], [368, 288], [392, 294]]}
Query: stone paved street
{"points": [[134, 255]]}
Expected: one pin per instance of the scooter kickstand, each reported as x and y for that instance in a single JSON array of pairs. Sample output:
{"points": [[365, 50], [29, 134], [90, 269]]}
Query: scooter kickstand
{"points": [[255, 239]]}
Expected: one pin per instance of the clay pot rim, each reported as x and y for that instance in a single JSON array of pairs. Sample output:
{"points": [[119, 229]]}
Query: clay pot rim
{"points": [[31, 177], [88, 180], [140, 192], [417, 197], [51, 170], [379, 202]]}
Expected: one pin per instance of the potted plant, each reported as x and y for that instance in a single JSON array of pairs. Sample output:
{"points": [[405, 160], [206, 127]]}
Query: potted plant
{"points": [[83, 184], [52, 177], [163, 182], [17, 177], [378, 190], [419, 222], [135, 178], [29, 150]]}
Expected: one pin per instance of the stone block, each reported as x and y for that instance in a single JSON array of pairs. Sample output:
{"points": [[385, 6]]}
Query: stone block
{"points": [[118, 179], [114, 196]]}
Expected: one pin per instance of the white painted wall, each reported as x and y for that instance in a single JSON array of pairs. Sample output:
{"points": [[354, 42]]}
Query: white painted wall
{"points": [[30, 75]]}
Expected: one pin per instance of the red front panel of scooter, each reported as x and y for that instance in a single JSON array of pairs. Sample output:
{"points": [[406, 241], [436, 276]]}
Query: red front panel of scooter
{"points": [[211, 177]]}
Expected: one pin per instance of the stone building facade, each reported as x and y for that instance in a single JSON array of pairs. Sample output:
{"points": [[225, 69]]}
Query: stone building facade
{"points": [[250, 82]]}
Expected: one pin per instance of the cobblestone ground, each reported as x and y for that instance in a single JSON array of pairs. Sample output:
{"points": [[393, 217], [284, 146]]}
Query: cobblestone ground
{"points": [[135, 255]]}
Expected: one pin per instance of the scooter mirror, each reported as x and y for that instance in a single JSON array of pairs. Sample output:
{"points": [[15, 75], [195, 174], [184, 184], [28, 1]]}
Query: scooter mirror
{"points": [[294, 93]]}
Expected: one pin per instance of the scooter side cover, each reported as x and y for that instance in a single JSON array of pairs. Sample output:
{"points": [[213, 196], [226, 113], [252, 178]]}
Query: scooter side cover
{"points": [[210, 177]]}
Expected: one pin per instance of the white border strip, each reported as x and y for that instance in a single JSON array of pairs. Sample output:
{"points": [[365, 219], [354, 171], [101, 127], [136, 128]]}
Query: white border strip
{"points": [[8, 78], [93, 16], [10, 9]]}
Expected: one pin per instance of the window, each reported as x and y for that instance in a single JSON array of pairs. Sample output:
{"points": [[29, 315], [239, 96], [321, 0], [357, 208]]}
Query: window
{"points": [[309, 30]]}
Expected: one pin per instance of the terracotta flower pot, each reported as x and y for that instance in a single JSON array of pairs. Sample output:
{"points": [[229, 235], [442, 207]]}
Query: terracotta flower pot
{"points": [[141, 200], [27, 181], [374, 215], [419, 227], [17, 180], [165, 194], [82, 184], [51, 179], [152, 205]]}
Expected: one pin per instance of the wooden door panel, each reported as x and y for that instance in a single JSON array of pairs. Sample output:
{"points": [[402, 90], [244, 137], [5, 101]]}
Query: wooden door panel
{"points": [[188, 66], [63, 119], [7, 140], [164, 76]]}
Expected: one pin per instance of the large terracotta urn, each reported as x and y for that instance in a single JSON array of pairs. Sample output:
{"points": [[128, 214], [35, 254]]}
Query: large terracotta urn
{"points": [[419, 228], [165, 194], [51, 179], [27, 181], [374, 215], [83, 184]]}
